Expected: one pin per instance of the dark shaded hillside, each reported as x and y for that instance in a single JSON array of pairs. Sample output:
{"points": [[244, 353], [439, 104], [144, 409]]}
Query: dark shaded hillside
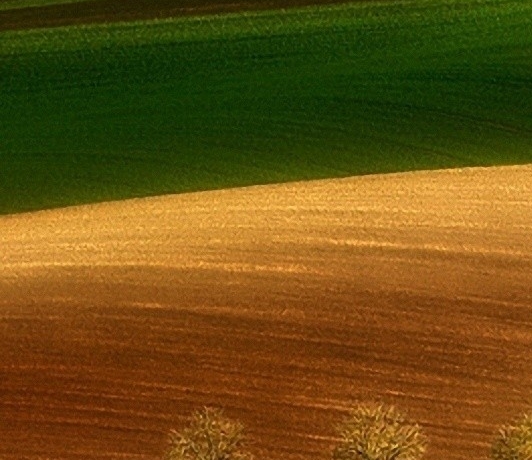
{"points": [[97, 11]]}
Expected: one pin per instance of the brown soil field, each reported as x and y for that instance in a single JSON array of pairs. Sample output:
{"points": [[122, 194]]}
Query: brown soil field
{"points": [[97, 11], [284, 304]]}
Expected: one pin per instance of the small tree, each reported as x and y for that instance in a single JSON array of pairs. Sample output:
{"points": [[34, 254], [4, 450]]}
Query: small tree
{"points": [[210, 436], [375, 432], [514, 441]]}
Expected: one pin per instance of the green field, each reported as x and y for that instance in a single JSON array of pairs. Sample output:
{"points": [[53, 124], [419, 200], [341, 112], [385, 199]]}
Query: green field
{"points": [[93, 113]]}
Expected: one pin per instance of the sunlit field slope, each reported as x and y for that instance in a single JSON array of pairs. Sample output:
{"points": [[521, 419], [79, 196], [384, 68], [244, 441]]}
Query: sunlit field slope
{"points": [[111, 111], [282, 303]]}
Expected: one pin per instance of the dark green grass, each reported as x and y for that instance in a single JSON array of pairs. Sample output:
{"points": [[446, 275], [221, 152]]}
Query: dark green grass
{"points": [[108, 112]]}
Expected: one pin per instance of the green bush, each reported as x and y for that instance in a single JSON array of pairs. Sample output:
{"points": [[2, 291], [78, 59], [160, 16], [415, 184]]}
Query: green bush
{"points": [[376, 432], [210, 436], [514, 441]]}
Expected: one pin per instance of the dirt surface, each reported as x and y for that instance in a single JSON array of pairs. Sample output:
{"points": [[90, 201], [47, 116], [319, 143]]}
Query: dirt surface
{"points": [[283, 304], [97, 11]]}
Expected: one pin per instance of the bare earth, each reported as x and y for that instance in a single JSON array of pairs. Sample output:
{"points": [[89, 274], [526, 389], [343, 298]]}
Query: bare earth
{"points": [[101, 11], [283, 304]]}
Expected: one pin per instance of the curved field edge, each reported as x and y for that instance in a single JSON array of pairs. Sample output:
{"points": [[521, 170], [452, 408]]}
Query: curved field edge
{"points": [[21, 4], [106, 112], [282, 303], [31, 14]]}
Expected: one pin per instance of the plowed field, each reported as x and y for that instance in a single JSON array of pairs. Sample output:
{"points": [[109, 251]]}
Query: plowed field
{"points": [[100, 11], [283, 304]]}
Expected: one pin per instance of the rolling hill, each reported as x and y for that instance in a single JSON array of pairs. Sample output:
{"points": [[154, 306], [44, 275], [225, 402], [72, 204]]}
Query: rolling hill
{"points": [[282, 303], [104, 112]]}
